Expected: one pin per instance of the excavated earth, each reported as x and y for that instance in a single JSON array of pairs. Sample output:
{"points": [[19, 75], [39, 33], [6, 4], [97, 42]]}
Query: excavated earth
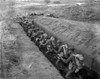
{"points": [[19, 57], [85, 37], [30, 62]]}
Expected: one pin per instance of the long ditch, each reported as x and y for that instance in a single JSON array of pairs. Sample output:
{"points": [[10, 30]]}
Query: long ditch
{"points": [[52, 57]]}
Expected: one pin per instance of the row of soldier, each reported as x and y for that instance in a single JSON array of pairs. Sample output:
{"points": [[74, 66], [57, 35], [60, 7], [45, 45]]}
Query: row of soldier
{"points": [[53, 46]]}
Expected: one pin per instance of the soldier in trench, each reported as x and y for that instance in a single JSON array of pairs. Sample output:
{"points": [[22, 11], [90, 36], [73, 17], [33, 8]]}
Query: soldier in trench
{"points": [[50, 53], [75, 63], [31, 30], [39, 37], [34, 33], [62, 53], [53, 56], [38, 34], [48, 44], [42, 41], [54, 43], [31, 26]]}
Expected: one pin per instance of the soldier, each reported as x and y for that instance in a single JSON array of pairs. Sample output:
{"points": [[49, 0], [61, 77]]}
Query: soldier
{"points": [[54, 43], [75, 63], [50, 44], [30, 29], [62, 53], [36, 29], [50, 53], [43, 39], [24, 24], [38, 36], [29, 23], [29, 32], [34, 34], [25, 21], [39, 33], [48, 41], [30, 26], [59, 43], [49, 49]]}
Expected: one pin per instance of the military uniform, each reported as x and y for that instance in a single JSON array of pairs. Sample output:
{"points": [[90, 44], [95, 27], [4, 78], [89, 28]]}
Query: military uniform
{"points": [[43, 41], [62, 53], [38, 37], [75, 63]]}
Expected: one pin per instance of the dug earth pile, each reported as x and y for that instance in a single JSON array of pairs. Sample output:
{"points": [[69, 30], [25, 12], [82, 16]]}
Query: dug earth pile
{"points": [[84, 37]]}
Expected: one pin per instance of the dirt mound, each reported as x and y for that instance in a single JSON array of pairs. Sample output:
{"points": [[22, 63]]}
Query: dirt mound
{"points": [[81, 35]]}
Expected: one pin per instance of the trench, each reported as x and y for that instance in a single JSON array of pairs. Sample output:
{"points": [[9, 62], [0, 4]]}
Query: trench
{"points": [[85, 72]]}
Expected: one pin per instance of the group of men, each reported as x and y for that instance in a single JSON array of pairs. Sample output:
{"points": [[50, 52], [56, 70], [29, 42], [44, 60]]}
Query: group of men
{"points": [[51, 46]]}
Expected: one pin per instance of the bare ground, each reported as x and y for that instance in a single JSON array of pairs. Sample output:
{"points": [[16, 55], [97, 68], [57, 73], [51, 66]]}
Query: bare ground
{"points": [[85, 37], [31, 63]]}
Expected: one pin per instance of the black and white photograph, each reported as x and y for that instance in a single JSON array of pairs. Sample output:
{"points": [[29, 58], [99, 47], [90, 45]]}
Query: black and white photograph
{"points": [[49, 39]]}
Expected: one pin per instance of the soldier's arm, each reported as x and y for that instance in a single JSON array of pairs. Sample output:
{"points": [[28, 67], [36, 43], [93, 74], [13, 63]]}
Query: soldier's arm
{"points": [[41, 43], [41, 37], [47, 52], [46, 42], [60, 49], [69, 59]]}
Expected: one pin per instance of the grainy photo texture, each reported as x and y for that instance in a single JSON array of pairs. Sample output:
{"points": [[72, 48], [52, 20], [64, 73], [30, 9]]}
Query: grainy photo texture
{"points": [[49, 39]]}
